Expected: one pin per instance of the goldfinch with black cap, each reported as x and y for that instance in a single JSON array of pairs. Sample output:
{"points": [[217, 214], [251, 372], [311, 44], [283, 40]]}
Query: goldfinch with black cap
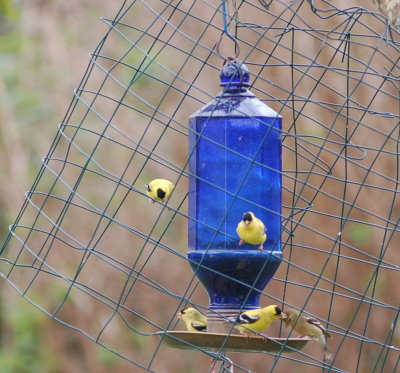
{"points": [[159, 189], [251, 230], [194, 320], [257, 320]]}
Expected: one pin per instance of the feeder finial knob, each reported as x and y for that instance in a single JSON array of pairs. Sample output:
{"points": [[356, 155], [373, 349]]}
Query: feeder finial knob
{"points": [[235, 77]]}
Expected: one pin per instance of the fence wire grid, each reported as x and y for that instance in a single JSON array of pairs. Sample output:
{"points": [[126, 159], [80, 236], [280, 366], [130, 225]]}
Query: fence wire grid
{"points": [[89, 250]]}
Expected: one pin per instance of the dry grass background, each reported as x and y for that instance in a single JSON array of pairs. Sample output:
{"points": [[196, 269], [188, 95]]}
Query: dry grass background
{"points": [[45, 46]]}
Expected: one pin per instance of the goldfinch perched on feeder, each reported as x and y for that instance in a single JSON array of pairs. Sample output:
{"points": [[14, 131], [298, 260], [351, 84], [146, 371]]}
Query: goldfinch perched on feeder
{"points": [[257, 320], [251, 230], [306, 326], [159, 189], [194, 320]]}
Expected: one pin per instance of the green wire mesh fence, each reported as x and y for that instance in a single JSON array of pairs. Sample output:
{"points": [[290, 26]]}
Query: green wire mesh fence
{"points": [[89, 250]]}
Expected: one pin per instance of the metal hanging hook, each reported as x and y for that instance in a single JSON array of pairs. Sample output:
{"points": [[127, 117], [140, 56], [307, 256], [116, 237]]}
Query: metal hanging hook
{"points": [[227, 32], [225, 18], [229, 58]]}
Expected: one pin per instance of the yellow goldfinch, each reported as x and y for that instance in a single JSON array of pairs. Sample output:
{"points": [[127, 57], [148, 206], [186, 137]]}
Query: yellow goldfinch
{"points": [[306, 326], [194, 320], [159, 189], [251, 230], [259, 319]]}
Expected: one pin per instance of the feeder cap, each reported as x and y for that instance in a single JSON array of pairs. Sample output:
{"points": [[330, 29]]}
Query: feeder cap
{"points": [[235, 75]]}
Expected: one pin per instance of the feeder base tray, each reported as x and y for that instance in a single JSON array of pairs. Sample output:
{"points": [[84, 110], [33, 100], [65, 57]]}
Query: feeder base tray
{"points": [[231, 342]]}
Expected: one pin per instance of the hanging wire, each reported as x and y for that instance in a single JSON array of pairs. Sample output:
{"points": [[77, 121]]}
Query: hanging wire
{"points": [[226, 30]]}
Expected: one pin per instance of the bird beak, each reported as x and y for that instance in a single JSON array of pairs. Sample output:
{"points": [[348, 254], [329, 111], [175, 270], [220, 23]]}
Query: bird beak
{"points": [[283, 316], [179, 315], [286, 320], [247, 222]]}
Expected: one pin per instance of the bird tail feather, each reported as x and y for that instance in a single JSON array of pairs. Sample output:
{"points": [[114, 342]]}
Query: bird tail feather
{"points": [[324, 346]]}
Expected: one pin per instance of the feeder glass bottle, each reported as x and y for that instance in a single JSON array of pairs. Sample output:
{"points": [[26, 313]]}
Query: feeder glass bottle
{"points": [[235, 167]]}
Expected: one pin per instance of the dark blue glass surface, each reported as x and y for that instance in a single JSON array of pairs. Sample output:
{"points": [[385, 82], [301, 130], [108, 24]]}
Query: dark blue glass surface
{"points": [[235, 77], [235, 167], [251, 271], [234, 156]]}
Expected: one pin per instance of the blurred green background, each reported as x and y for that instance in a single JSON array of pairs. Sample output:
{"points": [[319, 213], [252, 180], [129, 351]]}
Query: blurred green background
{"points": [[44, 46]]}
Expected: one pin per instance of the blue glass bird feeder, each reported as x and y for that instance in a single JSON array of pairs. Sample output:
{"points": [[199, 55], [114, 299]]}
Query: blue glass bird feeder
{"points": [[235, 167]]}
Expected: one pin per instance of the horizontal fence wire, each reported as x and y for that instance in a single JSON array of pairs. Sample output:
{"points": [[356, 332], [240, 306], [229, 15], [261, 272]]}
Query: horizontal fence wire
{"points": [[88, 242]]}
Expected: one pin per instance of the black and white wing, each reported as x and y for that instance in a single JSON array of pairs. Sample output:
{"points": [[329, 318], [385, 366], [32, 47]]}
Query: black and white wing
{"points": [[318, 325], [245, 318], [199, 326]]}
